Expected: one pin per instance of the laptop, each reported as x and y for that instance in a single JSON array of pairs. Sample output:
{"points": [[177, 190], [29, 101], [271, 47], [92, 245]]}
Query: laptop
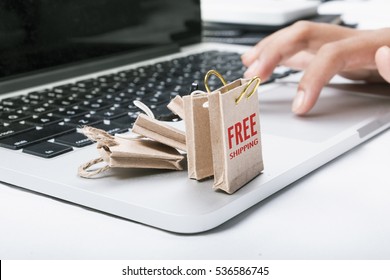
{"points": [[69, 63]]}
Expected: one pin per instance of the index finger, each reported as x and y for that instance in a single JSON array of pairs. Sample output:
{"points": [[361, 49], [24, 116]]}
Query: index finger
{"points": [[275, 49]]}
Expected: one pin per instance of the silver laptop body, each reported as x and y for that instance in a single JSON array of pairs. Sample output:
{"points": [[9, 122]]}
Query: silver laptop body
{"points": [[344, 117]]}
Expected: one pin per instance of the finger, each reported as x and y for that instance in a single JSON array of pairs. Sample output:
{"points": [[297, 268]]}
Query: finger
{"points": [[354, 54], [363, 75], [328, 62], [326, 33], [257, 58], [286, 43], [299, 61], [251, 55], [382, 60]]}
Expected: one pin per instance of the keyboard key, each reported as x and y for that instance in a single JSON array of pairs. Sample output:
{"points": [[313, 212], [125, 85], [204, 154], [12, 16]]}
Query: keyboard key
{"points": [[34, 136], [129, 106], [64, 102], [106, 102], [67, 88], [126, 121], [84, 120], [89, 83], [90, 95], [162, 113], [43, 120], [47, 149], [118, 98], [112, 128], [52, 95], [95, 105], [74, 139], [157, 99], [180, 90], [71, 112], [40, 108], [278, 75], [13, 116], [111, 113], [37, 95], [12, 103], [13, 129]]}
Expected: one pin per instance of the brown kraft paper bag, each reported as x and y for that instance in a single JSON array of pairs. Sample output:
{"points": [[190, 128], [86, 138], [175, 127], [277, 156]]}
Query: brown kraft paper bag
{"points": [[235, 134], [196, 118], [129, 153], [160, 132], [177, 106]]}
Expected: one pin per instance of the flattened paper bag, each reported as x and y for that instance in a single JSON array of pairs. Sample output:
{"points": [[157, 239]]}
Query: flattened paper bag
{"points": [[160, 132], [129, 153], [235, 134]]}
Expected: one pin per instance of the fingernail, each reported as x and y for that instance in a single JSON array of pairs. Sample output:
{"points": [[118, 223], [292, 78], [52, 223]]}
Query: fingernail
{"points": [[248, 53], [252, 70], [386, 50], [298, 102], [243, 56]]}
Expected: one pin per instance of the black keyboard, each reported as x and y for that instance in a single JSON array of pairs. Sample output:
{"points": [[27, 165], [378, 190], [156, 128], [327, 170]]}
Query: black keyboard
{"points": [[44, 123]]}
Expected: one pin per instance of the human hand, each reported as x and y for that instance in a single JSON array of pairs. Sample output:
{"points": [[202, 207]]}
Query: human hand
{"points": [[322, 51]]}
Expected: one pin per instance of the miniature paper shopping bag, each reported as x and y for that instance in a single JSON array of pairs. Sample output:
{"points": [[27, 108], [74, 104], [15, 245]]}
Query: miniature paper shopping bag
{"points": [[129, 153], [177, 106], [235, 134], [196, 118], [160, 132], [197, 123]]}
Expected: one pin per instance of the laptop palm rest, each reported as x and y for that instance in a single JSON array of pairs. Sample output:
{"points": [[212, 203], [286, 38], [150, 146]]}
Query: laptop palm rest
{"points": [[292, 148]]}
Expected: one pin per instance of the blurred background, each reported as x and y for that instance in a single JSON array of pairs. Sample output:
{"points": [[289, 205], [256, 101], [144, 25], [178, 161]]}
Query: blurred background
{"points": [[248, 21]]}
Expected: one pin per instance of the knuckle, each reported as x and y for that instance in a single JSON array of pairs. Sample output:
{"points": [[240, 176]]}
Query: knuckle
{"points": [[303, 28], [330, 50]]}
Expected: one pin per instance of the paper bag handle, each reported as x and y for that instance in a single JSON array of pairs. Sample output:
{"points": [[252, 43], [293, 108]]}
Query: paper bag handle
{"points": [[215, 73], [244, 92], [85, 173]]}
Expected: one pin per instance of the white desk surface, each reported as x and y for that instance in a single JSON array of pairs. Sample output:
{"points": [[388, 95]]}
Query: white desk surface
{"points": [[340, 211]]}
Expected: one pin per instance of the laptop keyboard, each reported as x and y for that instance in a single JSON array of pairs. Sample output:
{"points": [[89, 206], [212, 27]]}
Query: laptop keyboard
{"points": [[45, 123]]}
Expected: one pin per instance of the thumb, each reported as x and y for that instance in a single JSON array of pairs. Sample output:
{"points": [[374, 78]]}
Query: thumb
{"points": [[382, 60]]}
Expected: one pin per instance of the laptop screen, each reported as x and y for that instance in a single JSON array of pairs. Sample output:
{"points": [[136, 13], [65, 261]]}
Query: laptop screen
{"points": [[38, 35]]}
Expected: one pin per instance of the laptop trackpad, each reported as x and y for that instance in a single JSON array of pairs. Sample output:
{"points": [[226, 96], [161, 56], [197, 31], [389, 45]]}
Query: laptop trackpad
{"points": [[336, 111]]}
